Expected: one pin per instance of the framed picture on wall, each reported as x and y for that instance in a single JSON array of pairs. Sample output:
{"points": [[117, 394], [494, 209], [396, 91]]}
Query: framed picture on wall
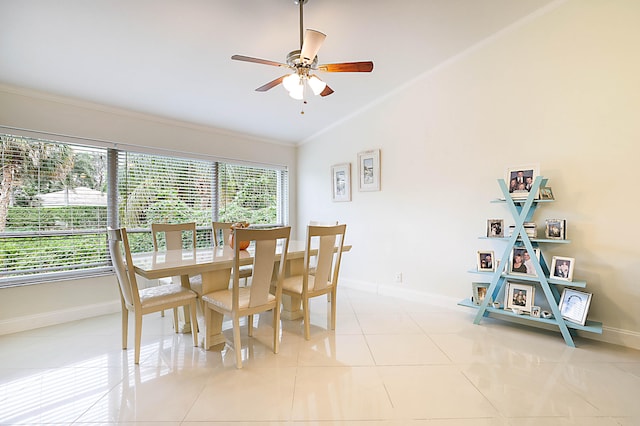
{"points": [[341, 182], [562, 268], [495, 228], [479, 292], [520, 180], [555, 229], [485, 261], [521, 261], [369, 170], [574, 305], [520, 296]]}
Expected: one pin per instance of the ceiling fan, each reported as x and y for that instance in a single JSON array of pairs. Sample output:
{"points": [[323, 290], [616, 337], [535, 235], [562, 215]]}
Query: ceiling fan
{"points": [[303, 62]]}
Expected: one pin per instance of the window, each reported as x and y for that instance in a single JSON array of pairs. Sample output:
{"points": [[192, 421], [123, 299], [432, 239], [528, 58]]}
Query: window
{"points": [[54, 208]]}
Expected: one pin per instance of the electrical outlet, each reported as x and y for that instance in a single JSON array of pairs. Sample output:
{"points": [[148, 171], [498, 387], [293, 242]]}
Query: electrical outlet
{"points": [[398, 277]]}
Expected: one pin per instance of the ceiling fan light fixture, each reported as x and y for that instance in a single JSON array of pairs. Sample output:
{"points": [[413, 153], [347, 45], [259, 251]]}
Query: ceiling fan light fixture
{"points": [[317, 85], [291, 82], [297, 93]]}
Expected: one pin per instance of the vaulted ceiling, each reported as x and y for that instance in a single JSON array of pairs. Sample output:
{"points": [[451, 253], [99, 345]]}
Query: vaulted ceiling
{"points": [[171, 58]]}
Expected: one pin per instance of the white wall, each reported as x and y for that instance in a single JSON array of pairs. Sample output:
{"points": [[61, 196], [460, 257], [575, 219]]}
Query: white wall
{"points": [[560, 89], [32, 306]]}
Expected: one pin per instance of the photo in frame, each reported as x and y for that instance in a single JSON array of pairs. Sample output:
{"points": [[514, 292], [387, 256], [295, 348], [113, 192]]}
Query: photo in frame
{"points": [[495, 228], [562, 268], [555, 229], [535, 311], [546, 193], [521, 261], [574, 305], [369, 170], [341, 182], [485, 261], [479, 292], [520, 180], [520, 296]]}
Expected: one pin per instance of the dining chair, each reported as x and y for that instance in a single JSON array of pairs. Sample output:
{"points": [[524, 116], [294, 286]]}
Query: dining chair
{"points": [[237, 301], [147, 300], [329, 241], [314, 259], [173, 240], [220, 236]]}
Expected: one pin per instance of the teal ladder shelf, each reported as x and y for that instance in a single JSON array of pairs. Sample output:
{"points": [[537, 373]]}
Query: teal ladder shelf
{"points": [[522, 211]]}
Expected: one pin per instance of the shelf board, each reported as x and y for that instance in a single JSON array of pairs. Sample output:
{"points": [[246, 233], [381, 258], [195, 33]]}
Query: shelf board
{"points": [[532, 278], [520, 200], [533, 240], [590, 326], [555, 281]]}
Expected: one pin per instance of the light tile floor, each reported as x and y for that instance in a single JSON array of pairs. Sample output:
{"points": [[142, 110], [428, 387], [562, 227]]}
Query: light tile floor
{"points": [[389, 362]]}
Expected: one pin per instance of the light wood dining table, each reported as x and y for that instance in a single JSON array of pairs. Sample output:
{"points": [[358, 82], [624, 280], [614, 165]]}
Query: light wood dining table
{"points": [[214, 265]]}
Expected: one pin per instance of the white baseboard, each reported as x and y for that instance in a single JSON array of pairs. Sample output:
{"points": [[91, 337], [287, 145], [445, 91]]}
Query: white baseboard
{"points": [[616, 336], [31, 322]]}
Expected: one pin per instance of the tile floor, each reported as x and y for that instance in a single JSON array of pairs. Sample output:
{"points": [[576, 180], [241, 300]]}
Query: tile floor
{"points": [[389, 362]]}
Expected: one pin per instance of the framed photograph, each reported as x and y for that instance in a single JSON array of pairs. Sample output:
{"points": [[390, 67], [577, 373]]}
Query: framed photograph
{"points": [[485, 260], [574, 305], [495, 228], [546, 193], [520, 180], [535, 311], [562, 268], [521, 261], [341, 182], [555, 229], [479, 292], [369, 170], [520, 296]]}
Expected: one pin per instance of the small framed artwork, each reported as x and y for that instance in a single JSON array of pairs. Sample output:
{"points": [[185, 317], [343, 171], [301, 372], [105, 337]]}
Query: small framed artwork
{"points": [[520, 180], [479, 292], [486, 261], [546, 193], [562, 268], [519, 296], [369, 170], [574, 305], [521, 262], [341, 182], [495, 228], [555, 229], [535, 311]]}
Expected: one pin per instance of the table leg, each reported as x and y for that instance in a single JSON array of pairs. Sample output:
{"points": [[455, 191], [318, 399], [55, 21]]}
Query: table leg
{"points": [[184, 315], [212, 281], [292, 305]]}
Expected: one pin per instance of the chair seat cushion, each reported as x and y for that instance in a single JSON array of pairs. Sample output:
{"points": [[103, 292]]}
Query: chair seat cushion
{"points": [[294, 284], [224, 298], [164, 294], [245, 271]]}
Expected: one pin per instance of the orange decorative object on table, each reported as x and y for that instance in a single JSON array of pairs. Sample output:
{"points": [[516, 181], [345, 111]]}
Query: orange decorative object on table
{"points": [[238, 225]]}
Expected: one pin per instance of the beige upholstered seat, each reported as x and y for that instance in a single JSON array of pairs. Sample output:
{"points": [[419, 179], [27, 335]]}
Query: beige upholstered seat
{"points": [[143, 301], [220, 236], [239, 301], [329, 241]]}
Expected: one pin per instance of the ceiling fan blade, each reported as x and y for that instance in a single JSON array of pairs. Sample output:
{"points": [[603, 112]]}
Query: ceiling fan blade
{"points": [[326, 92], [312, 41], [271, 84], [366, 66], [258, 61]]}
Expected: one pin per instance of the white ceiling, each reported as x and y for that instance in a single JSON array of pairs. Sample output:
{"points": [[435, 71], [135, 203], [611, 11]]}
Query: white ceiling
{"points": [[171, 58]]}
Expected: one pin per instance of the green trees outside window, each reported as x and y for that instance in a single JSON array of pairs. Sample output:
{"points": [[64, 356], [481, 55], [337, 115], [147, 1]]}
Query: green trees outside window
{"points": [[54, 205]]}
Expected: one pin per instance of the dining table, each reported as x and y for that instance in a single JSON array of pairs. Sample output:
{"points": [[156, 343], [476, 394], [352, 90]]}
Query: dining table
{"points": [[214, 264]]}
